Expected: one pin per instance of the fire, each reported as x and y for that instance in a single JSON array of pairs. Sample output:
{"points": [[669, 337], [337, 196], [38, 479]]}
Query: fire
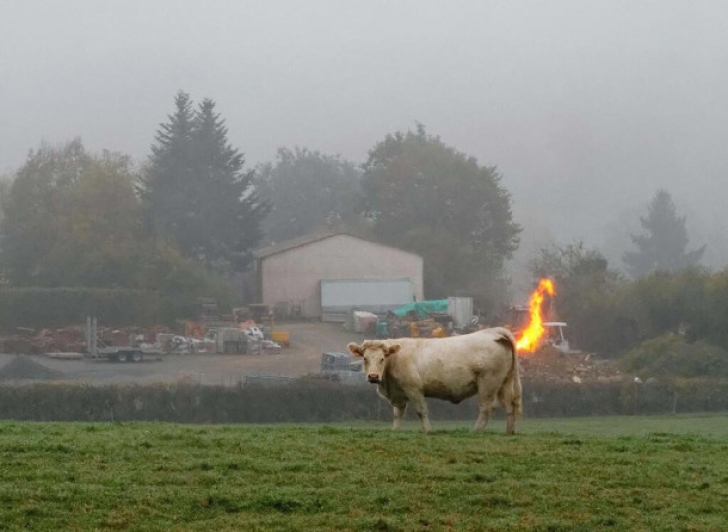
{"points": [[531, 335]]}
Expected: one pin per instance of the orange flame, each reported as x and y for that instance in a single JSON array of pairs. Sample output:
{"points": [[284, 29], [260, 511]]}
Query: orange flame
{"points": [[533, 333]]}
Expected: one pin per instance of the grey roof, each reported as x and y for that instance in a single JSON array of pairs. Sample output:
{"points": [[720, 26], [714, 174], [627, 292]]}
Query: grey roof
{"points": [[309, 239]]}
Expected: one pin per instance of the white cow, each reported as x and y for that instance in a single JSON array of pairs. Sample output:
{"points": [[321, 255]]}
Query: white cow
{"points": [[455, 368]]}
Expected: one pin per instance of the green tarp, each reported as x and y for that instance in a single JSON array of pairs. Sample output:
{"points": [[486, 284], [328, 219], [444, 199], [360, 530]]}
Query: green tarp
{"points": [[423, 308]]}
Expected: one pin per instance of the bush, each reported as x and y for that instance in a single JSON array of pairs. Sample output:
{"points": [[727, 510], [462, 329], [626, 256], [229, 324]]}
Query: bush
{"points": [[58, 307], [671, 355], [48, 308], [317, 401]]}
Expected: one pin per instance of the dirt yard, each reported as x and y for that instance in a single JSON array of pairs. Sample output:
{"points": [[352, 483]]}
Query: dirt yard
{"points": [[308, 342]]}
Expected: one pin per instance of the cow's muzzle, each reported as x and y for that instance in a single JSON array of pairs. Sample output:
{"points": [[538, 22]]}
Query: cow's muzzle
{"points": [[373, 378]]}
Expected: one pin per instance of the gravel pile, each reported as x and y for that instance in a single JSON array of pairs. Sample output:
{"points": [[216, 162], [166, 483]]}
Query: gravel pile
{"points": [[23, 367]]}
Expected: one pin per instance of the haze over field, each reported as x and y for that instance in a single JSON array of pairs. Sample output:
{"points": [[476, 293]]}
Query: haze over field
{"points": [[586, 108]]}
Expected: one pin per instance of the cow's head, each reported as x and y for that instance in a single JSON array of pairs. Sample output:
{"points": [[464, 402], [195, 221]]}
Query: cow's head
{"points": [[375, 354]]}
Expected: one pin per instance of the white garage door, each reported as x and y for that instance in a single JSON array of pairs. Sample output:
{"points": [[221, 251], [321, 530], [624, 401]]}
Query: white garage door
{"points": [[339, 297]]}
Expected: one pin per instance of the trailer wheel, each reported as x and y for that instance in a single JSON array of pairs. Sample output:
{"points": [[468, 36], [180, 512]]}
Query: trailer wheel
{"points": [[122, 356], [136, 356]]}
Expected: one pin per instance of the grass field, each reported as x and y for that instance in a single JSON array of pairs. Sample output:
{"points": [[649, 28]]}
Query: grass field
{"points": [[617, 473]]}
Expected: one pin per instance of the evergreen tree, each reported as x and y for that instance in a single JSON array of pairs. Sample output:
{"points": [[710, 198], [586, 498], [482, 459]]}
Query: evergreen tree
{"points": [[166, 189], [196, 192], [227, 210], [663, 245]]}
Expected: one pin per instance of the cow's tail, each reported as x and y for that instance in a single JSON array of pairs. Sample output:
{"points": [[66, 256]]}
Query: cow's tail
{"points": [[513, 379]]}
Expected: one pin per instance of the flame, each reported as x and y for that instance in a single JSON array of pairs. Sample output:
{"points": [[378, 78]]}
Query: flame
{"points": [[533, 333]]}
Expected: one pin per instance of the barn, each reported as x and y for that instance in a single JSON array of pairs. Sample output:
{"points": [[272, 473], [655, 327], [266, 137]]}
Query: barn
{"points": [[327, 275]]}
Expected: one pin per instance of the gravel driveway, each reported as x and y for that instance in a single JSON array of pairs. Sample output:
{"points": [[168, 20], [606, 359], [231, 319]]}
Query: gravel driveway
{"points": [[308, 342]]}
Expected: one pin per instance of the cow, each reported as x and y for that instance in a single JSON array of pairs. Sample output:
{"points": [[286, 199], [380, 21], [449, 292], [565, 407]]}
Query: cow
{"points": [[407, 370]]}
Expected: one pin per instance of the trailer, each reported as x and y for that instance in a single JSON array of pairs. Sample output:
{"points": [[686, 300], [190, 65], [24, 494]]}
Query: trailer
{"points": [[122, 353], [118, 353]]}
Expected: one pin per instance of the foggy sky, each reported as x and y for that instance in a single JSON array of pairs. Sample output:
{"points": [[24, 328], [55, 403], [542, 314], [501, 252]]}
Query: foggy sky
{"points": [[586, 107]]}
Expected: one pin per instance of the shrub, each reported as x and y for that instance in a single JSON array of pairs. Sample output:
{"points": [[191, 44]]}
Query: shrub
{"points": [[671, 355], [306, 400], [42, 308]]}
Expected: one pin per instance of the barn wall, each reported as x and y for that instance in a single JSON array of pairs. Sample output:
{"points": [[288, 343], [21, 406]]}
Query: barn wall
{"points": [[294, 276]]}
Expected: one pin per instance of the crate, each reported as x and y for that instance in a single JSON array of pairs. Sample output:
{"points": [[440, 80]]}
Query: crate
{"points": [[281, 337]]}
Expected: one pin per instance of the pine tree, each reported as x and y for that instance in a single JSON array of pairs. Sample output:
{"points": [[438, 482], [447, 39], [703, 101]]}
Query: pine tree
{"points": [[166, 189], [663, 245], [228, 212], [196, 191]]}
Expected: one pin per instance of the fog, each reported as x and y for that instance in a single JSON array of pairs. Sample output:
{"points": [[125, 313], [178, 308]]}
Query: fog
{"points": [[586, 108]]}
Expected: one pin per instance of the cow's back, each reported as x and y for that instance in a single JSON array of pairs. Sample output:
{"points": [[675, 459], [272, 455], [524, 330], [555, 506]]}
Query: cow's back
{"points": [[449, 368]]}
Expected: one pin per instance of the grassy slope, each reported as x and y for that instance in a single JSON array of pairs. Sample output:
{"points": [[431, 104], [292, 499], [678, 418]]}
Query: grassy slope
{"points": [[627, 473]]}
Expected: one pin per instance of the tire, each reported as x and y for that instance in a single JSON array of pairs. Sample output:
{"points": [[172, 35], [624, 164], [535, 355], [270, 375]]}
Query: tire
{"points": [[122, 356], [137, 356]]}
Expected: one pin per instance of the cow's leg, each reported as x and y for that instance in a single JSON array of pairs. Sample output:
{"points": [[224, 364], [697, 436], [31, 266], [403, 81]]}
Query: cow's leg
{"points": [[510, 420], [421, 406], [399, 411], [506, 398], [486, 398], [483, 418]]}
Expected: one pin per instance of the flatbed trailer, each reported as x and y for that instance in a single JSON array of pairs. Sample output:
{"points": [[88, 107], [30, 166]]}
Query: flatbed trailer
{"points": [[119, 353]]}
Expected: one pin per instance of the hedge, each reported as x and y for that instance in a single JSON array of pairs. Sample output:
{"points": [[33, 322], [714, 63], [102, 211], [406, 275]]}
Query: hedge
{"points": [[59, 307], [321, 401]]}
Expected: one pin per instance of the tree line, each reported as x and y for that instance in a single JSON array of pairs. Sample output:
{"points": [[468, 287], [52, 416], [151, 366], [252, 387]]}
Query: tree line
{"points": [[189, 218], [669, 321], [193, 213]]}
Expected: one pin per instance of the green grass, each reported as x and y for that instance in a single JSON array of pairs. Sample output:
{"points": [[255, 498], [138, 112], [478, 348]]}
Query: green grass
{"points": [[616, 473], [708, 424]]}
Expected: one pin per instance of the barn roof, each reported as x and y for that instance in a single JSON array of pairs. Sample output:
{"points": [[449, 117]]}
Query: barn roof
{"points": [[310, 239]]}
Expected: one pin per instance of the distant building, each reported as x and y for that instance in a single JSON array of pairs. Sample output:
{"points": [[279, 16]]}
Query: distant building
{"points": [[327, 275]]}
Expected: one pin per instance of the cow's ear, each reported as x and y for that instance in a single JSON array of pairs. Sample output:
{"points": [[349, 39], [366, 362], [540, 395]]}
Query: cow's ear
{"points": [[355, 349], [392, 349]]}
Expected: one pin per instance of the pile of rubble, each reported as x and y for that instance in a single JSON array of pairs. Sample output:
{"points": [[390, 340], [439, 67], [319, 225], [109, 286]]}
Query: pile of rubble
{"points": [[197, 338], [550, 364], [73, 339], [23, 367]]}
